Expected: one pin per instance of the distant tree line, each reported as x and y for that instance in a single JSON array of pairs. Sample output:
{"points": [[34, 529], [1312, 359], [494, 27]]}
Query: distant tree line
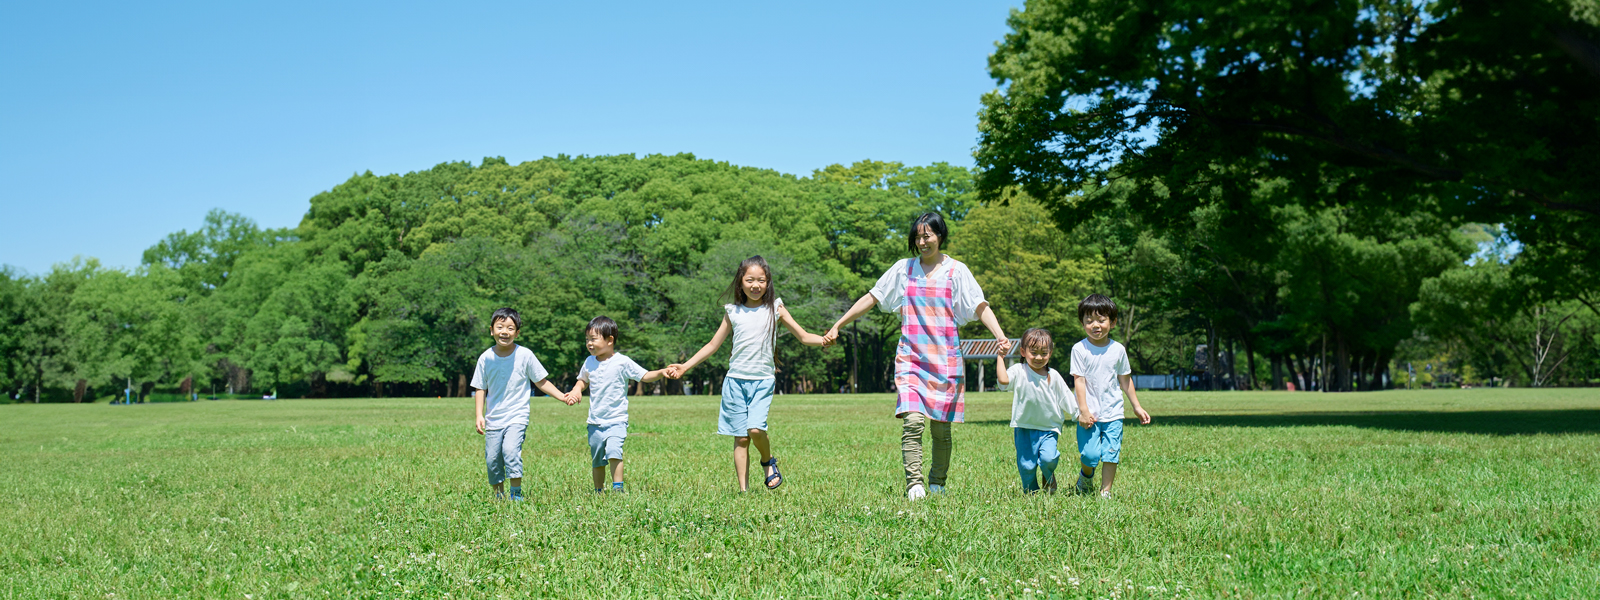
{"points": [[385, 287]]}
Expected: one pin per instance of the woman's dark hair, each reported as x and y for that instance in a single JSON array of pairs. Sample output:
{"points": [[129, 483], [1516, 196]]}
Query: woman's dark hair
{"points": [[1097, 304], [935, 223], [506, 313], [1036, 337], [769, 298], [604, 326]]}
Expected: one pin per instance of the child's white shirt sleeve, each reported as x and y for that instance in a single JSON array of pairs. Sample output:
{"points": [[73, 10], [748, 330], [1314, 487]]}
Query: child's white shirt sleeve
{"points": [[632, 370], [534, 369], [1123, 368], [1014, 373], [583, 371], [1063, 394], [477, 375]]}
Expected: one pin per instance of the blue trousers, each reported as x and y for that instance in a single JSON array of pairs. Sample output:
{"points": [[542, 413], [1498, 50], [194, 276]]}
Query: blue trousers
{"points": [[1036, 450]]}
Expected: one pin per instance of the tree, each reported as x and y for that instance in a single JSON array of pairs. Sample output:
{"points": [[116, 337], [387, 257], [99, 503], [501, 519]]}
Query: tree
{"points": [[1480, 111]]}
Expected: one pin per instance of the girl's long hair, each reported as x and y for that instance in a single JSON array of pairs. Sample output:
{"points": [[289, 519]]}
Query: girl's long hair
{"points": [[769, 299]]}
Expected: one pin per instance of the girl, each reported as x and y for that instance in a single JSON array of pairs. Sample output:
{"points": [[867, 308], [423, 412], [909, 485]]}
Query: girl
{"points": [[747, 391], [934, 294]]}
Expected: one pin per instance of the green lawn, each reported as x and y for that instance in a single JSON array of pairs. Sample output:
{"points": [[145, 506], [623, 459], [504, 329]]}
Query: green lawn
{"points": [[1476, 493]]}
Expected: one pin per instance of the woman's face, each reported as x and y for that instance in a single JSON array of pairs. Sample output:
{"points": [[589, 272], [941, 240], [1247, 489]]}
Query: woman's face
{"points": [[927, 242]]}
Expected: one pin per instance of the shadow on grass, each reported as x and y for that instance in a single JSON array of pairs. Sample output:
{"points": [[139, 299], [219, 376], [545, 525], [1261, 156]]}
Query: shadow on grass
{"points": [[1486, 422]]}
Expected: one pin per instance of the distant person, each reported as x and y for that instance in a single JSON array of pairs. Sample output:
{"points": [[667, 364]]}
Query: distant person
{"points": [[752, 318], [934, 295], [607, 374], [504, 379], [1101, 378], [1040, 403]]}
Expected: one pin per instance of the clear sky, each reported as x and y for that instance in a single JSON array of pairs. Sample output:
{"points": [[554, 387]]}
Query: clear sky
{"points": [[123, 122]]}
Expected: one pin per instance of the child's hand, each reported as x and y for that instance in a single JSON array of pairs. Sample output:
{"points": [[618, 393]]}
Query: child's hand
{"points": [[674, 371], [482, 425], [1004, 348], [1144, 417], [833, 334], [1086, 419]]}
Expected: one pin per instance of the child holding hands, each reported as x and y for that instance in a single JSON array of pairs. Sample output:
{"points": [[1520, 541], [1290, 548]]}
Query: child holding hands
{"points": [[504, 378], [607, 373], [747, 390], [1040, 402], [1101, 379]]}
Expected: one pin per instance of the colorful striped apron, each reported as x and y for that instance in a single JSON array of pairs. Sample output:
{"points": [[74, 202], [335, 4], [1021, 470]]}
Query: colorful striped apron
{"points": [[928, 372]]}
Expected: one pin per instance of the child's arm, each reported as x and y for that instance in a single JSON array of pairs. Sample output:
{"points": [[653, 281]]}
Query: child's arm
{"points": [[576, 394], [1126, 381], [676, 371], [650, 376], [481, 396], [552, 391], [861, 307], [1000, 375], [1080, 388], [809, 339]]}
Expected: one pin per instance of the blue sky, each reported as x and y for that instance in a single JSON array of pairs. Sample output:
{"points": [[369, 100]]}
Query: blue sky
{"points": [[123, 122]]}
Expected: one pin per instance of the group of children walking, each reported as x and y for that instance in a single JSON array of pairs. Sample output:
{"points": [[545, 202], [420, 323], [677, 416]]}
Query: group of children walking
{"points": [[933, 294]]}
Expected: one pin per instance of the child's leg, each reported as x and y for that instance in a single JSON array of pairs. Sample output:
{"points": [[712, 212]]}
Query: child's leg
{"points": [[1026, 464], [941, 452], [511, 449], [911, 447], [599, 478], [597, 456], [1089, 448], [1110, 455], [741, 462], [1049, 457], [492, 443], [616, 470], [758, 437]]}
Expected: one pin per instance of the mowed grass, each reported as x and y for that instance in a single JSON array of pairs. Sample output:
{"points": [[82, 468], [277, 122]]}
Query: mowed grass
{"points": [[1475, 493]]}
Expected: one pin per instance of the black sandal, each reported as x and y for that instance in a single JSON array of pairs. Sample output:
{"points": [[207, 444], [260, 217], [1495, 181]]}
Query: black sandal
{"points": [[773, 462]]}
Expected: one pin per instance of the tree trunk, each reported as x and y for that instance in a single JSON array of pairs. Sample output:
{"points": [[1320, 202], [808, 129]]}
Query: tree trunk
{"points": [[1341, 374], [1277, 371], [79, 389], [1250, 359]]}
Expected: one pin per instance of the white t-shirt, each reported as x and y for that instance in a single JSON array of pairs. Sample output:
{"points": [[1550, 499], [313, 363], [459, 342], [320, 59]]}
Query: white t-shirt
{"points": [[608, 387], [1100, 366], [1040, 402], [508, 384], [967, 296], [752, 340]]}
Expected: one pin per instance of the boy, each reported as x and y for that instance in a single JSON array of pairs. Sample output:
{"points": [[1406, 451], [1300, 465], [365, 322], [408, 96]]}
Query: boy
{"points": [[607, 374], [1099, 369], [504, 379], [1039, 405]]}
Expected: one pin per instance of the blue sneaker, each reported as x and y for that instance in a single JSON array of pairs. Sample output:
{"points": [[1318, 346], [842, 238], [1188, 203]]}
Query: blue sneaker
{"points": [[516, 494]]}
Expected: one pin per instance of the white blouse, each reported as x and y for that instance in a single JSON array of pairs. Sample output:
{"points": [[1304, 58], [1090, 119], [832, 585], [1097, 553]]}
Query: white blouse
{"points": [[967, 296]]}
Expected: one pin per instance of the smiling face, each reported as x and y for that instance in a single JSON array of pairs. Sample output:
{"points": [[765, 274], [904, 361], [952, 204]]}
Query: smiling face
{"points": [[754, 284], [1098, 327], [504, 332], [599, 346], [927, 243], [1038, 356]]}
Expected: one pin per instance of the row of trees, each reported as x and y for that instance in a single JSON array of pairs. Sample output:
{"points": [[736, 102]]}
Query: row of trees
{"points": [[386, 285]]}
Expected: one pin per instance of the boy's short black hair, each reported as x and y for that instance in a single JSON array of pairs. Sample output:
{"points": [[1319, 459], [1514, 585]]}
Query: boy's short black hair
{"points": [[604, 326], [935, 222], [506, 313], [1037, 336], [1097, 304]]}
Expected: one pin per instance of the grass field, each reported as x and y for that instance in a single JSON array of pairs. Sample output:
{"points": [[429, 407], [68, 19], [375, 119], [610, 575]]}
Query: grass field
{"points": [[1477, 493]]}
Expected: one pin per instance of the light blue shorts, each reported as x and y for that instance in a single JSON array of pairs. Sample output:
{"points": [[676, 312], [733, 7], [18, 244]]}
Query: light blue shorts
{"points": [[745, 403], [1101, 443], [502, 452], [605, 443]]}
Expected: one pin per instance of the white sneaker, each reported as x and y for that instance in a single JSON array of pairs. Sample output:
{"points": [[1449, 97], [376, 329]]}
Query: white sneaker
{"points": [[1105, 494], [936, 489], [916, 493]]}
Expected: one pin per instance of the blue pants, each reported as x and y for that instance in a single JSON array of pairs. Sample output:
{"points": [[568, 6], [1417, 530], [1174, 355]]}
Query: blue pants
{"points": [[1036, 450], [502, 451], [1101, 443]]}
